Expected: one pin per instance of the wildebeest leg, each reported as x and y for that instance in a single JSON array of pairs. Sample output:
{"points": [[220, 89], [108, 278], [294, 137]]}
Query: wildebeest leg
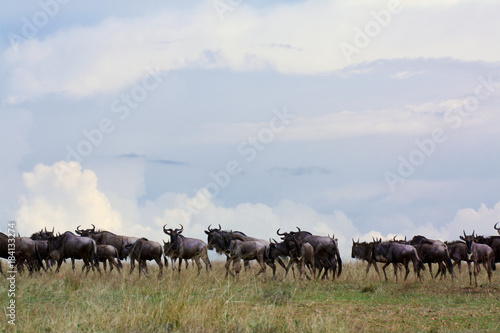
{"points": [[385, 274], [430, 270], [180, 266], [262, 267], [470, 273], [132, 265], [227, 266], [73, 264], [206, 260], [476, 272], [198, 263], [187, 263], [158, 261], [104, 266], [236, 267]]}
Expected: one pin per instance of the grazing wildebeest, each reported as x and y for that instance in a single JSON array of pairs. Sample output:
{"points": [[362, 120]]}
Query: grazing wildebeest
{"points": [[237, 246], [109, 253], [393, 253], [326, 251], [478, 253], [143, 250], [74, 247], [364, 251], [108, 238], [432, 251], [187, 248]]}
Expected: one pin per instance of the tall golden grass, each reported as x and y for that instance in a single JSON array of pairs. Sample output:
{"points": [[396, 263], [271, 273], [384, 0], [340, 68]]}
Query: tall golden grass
{"points": [[188, 302]]}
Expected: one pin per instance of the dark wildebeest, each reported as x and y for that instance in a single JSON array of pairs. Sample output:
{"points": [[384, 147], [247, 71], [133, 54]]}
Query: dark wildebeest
{"points": [[326, 252], [187, 248], [393, 253], [432, 251], [364, 251], [74, 247], [491, 241], [478, 253], [108, 238], [237, 246], [143, 250], [109, 253], [169, 251], [278, 250], [41, 239]]}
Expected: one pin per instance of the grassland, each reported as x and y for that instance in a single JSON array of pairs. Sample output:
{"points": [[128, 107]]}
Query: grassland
{"points": [[211, 303]]}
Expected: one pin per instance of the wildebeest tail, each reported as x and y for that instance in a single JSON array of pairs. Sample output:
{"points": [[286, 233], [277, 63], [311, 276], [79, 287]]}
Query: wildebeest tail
{"points": [[493, 266], [39, 258], [340, 263], [421, 265], [96, 258], [449, 264]]}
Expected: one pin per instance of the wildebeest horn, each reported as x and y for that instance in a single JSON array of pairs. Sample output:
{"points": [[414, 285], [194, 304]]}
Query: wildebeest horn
{"points": [[52, 230], [165, 230], [77, 228], [394, 238], [209, 228], [497, 229], [220, 228], [298, 229], [282, 234], [93, 227], [473, 232], [180, 230], [465, 234]]}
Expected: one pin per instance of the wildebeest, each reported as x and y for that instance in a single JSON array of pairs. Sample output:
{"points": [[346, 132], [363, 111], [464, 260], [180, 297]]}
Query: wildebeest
{"points": [[478, 253], [237, 246], [74, 247], [109, 253], [491, 241], [187, 248], [393, 253], [364, 251], [326, 251], [280, 249], [432, 251], [108, 238], [143, 250]]}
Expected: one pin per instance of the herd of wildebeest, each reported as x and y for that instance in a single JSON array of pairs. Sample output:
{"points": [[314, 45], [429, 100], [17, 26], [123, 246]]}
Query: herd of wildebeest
{"points": [[320, 254]]}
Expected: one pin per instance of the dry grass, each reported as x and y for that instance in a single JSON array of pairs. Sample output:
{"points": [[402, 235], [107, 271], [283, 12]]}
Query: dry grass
{"points": [[211, 303]]}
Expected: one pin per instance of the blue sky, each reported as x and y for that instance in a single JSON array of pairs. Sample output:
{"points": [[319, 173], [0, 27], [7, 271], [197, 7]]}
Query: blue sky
{"points": [[353, 118]]}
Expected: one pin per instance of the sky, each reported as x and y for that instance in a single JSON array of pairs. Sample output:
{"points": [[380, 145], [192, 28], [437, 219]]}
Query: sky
{"points": [[357, 119]]}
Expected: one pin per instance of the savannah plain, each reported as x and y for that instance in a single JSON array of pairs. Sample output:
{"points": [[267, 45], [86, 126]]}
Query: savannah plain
{"points": [[188, 302]]}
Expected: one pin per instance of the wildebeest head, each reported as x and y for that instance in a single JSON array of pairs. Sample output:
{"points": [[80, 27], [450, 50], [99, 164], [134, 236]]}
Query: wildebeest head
{"points": [[218, 239], [497, 229], [43, 234], [469, 241], [174, 235], [86, 232]]}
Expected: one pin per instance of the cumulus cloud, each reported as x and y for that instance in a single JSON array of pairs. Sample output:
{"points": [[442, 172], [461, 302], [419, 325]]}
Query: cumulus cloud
{"points": [[64, 200]]}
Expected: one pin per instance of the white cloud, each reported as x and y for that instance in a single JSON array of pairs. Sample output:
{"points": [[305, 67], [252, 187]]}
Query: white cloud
{"points": [[294, 38], [64, 200]]}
